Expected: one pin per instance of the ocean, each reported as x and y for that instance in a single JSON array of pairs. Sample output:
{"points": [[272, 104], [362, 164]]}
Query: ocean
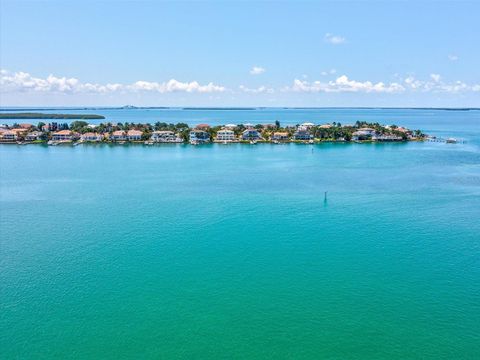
{"points": [[233, 251]]}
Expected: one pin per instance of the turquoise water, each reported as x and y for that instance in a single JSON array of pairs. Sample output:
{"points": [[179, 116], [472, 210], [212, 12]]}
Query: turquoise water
{"points": [[230, 251]]}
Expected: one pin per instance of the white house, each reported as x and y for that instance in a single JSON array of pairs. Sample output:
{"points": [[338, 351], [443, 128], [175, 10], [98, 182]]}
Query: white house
{"points": [[165, 137], [8, 135], [302, 134], [63, 135], [134, 135], [90, 136], [280, 136], [199, 136], [118, 135], [225, 135], [364, 134], [33, 136], [251, 134]]}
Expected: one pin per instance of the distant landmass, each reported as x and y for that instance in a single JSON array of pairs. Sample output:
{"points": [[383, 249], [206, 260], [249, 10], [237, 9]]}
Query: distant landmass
{"points": [[28, 115]]}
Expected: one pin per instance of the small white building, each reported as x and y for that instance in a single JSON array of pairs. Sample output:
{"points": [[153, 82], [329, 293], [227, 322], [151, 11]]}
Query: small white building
{"points": [[90, 136], [63, 135], [251, 134], [364, 134], [118, 135], [33, 136], [165, 136], [8, 135], [199, 136], [280, 136], [302, 134], [225, 135], [134, 135]]}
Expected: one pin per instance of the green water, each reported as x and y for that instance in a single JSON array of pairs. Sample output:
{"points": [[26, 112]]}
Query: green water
{"points": [[230, 251]]}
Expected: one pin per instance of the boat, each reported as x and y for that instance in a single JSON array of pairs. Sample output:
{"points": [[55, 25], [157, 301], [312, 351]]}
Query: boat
{"points": [[253, 142], [451, 141]]}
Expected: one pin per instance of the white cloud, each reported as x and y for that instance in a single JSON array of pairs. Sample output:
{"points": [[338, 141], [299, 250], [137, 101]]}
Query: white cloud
{"points": [[257, 70], [260, 90], [453, 57], [436, 84], [344, 84], [23, 82], [334, 39], [331, 72]]}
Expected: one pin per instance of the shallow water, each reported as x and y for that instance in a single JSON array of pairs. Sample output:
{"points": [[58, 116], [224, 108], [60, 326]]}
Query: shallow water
{"points": [[231, 251]]}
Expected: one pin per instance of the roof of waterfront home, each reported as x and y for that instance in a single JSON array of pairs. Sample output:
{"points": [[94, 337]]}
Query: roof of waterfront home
{"points": [[230, 126], [163, 132], [19, 130], [325, 126], [308, 124], [118, 133], [26, 126], [91, 134], [280, 133], [202, 126], [134, 132], [8, 132], [63, 132], [366, 129], [226, 130]]}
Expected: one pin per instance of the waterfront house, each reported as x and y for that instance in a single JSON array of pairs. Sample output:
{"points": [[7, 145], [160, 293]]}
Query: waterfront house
{"points": [[134, 135], [165, 136], [302, 134], [280, 136], [199, 136], [63, 135], [325, 126], [118, 135], [90, 136], [8, 135], [364, 134], [26, 126], [307, 125], [230, 126], [34, 136], [225, 135], [251, 135]]}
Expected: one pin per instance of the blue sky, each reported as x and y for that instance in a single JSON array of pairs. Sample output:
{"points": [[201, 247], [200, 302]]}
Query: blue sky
{"points": [[288, 53]]}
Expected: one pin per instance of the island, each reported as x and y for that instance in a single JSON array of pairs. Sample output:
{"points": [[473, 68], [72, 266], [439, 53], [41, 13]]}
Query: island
{"points": [[41, 116], [80, 131]]}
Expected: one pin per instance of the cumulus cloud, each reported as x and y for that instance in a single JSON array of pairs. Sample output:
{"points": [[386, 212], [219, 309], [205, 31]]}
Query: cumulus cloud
{"points": [[24, 82], [334, 39], [453, 57], [344, 84], [260, 90], [331, 72], [411, 84], [257, 70]]}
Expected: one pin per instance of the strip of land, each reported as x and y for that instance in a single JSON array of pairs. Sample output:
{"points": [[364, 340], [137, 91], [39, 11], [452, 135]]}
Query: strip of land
{"points": [[42, 116], [80, 131]]}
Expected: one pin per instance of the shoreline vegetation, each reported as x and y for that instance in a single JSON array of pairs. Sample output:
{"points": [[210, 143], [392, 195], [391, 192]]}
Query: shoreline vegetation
{"points": [[81, 131], [39, 116]]}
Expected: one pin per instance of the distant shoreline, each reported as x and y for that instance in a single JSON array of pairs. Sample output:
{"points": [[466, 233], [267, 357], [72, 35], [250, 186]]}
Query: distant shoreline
{"points": [[29, 116], [94, 108]]}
